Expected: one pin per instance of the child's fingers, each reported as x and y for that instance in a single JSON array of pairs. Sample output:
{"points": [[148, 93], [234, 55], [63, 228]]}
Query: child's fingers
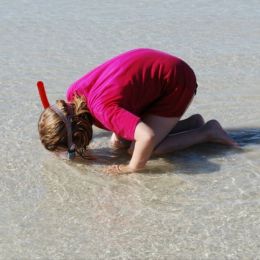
{"points": [[117, 169], [113, 170]]}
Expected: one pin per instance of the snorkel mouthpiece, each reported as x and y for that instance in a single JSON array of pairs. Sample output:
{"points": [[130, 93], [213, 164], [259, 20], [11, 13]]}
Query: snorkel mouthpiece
{"points": [[71, 153], [66, 119]]}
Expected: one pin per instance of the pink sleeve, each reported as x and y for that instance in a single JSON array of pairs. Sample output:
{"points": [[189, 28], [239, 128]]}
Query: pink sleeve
{"points": [[118, 120]]}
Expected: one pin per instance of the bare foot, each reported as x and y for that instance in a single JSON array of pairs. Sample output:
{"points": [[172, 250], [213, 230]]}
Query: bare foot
{"points": [[217, 134]]}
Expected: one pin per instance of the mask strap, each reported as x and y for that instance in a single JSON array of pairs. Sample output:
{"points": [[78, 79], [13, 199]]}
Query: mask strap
{"points": [[67, 122]]}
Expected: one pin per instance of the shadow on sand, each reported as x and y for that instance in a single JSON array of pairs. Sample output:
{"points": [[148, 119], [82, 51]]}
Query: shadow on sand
{"points": [[245, 136], [197, 159]]}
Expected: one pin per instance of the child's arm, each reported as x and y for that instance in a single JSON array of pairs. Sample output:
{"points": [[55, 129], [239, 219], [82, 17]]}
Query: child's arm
{"points": [[128, 125], [144, 145]]}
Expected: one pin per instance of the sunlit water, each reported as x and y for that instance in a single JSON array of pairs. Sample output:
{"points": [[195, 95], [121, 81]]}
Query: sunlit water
{"points": [[203, 203]]}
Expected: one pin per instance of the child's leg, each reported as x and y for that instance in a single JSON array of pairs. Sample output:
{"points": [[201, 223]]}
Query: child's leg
{"points": [[162, 126], [192, 122], [210, 132]]}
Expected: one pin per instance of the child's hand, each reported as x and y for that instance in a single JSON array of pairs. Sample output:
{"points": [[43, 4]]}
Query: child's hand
{"points": [[117, 169]]}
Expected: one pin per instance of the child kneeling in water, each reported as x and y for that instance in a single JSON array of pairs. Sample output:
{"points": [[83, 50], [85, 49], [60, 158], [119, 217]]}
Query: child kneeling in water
{"points": [[140, 96]]}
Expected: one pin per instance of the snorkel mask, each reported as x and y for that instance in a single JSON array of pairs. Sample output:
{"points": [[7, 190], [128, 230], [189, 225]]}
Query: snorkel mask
{"points": [[71, 153]]}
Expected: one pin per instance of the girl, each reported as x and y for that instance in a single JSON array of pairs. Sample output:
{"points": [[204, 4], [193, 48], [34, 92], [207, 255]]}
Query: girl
{"points": [[140, 96]]}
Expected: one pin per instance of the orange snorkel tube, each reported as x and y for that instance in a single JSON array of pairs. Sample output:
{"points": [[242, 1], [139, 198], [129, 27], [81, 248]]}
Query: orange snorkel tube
{"points": [[42, 94]]}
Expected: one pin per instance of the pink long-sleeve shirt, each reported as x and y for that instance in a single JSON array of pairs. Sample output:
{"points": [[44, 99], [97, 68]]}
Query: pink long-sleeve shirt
{"points": [[119, 91]]}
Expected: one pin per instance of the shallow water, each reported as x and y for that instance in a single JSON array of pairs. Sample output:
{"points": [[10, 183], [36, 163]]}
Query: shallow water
{"points": [[202, 203]]}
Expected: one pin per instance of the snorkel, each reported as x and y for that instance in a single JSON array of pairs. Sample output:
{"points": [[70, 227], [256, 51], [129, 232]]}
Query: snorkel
{"points": [[66, 119]]}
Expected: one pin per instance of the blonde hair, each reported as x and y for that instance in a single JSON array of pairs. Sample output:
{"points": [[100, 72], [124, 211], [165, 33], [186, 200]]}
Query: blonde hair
{"points": [[52, 130]]}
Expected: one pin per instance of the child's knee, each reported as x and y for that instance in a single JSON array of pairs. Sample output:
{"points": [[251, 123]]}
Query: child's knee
{"points": [[198, 120]]}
